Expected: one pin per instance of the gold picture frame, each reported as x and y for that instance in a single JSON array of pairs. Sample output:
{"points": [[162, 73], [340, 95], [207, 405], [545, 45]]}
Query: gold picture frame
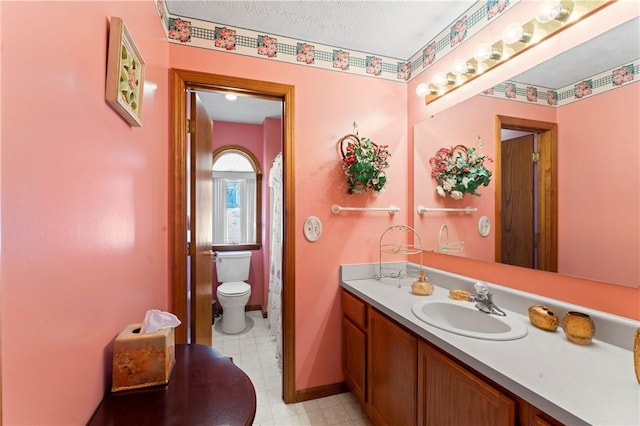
{"points": [[125, 74]]}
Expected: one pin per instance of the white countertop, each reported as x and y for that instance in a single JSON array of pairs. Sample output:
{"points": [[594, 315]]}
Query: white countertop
{"points": [[576, 384]]}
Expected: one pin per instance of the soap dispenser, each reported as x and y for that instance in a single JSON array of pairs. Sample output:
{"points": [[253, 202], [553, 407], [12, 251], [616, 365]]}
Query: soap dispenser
{"points": [[422, 286]]}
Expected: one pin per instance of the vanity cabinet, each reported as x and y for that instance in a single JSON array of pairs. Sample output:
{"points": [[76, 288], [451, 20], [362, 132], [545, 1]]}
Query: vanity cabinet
{"points": [[449, 394], [391, 372], [402, 379], [354, 344]]}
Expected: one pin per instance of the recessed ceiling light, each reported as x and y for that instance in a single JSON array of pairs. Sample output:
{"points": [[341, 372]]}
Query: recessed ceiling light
{"points": [[231, 97]]}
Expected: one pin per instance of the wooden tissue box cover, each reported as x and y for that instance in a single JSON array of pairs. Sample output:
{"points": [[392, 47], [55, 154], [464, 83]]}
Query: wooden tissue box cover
{"points": [[142, 360]]}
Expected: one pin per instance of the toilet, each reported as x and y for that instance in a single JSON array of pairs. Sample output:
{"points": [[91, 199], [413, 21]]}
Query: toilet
{"points": [[232, 270]]}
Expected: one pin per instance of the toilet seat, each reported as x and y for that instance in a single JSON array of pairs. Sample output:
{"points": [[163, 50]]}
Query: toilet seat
{"points": [[234, 289]]}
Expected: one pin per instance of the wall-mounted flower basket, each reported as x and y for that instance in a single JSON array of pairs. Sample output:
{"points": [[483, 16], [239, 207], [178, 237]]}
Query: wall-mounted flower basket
{"points": [[363, 163], [459, 170]]}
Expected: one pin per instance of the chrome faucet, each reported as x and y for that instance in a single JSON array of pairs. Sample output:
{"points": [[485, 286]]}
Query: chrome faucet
{"points": [[484, 301]]}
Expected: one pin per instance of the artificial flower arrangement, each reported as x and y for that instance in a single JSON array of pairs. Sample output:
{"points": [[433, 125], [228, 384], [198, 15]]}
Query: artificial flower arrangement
{"points": [[363, 163], [459, 170]]}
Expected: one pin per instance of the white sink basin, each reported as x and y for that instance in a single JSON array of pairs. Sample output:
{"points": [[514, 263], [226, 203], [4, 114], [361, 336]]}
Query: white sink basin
{"points": [[465, 319]]}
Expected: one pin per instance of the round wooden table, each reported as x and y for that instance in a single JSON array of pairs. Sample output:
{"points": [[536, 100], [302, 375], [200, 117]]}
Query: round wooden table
{"points": [[204, 389]]}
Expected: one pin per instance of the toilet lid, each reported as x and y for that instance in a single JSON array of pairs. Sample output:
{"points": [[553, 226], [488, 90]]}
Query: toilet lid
{"points": [[237, 288]]}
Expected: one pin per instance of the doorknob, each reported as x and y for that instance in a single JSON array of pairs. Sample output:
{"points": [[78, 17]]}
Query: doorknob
{"points": [[209, 253]]}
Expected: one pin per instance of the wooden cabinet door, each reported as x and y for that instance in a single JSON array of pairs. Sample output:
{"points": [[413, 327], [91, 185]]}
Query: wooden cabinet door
{"points": [[392, 367], [449, 394], [528, 415], [354, 358]]}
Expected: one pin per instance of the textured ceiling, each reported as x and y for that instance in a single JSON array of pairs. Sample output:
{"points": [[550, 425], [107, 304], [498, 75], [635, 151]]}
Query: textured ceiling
{"points": [[619, 46], [245, 109], [397, 29]]}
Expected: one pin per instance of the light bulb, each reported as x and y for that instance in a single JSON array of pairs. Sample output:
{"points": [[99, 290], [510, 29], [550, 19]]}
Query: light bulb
{"points": [[460, 66], [442, 79], [512, 33], [422, 89], [547, 12], [554, 9], [482, 52]]}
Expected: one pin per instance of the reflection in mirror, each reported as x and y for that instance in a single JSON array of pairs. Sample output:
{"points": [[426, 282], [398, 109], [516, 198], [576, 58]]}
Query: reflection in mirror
{"points": [[526, 193], [552, 17], [597, 170], [236, 197]]}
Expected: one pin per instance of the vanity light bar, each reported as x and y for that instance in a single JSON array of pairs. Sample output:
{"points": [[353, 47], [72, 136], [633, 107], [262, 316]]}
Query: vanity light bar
{"points": [[554, 16]]}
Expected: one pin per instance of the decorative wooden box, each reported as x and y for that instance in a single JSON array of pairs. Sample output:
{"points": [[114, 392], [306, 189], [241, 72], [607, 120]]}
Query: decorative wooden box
{"points": [[142, 360]]}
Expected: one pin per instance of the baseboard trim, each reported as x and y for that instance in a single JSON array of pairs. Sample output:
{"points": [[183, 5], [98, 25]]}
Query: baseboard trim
{"points": [[321, 391], [253, 308], [247, 308]]}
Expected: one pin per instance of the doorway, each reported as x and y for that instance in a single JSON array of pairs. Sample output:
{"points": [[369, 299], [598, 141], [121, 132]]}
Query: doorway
{"points": [[545, 187], [182, 80]]}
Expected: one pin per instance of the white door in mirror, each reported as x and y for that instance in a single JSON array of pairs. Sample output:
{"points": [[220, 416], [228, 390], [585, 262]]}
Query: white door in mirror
{"points": [[312, 228], [484, 226]]}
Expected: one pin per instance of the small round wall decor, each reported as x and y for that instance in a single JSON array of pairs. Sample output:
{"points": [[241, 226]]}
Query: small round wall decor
{"points": [[312, 228], [484, 226]]}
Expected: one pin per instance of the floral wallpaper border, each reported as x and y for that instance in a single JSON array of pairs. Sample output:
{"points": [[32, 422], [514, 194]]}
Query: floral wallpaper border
{"points": [[210, 35], [605, 81], [476, 18], [214, 36]]}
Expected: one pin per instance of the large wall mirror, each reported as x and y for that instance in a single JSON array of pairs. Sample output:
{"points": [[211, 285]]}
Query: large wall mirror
{"points": [[592, 94]]}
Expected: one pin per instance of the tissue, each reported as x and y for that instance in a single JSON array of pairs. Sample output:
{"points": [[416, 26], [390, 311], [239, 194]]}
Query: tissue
{"points": [[144, 353], [155, 320]]}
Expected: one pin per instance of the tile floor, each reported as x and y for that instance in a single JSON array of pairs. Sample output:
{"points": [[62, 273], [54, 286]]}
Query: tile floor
{"points": [[254, 352]]}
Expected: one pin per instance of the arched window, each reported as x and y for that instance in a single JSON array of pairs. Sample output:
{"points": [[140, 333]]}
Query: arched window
{"points": [[237, 192]]}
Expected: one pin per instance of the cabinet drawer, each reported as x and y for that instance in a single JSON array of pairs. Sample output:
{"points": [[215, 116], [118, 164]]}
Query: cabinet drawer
{"points": [[354, 309]]}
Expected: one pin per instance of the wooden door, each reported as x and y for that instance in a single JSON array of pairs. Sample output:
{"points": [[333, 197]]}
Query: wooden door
{"points": [[450, 395], [517, 227], [201, 208], [392, 372]]}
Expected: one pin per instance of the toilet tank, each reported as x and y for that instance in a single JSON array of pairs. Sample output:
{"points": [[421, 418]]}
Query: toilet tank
{"points": [[232, 266]]}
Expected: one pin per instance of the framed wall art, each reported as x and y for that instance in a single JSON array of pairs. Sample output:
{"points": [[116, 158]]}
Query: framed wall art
{"points": [[125, 74]]}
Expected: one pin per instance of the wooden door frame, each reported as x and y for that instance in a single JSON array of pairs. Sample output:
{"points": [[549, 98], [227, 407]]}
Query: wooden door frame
{"points": [[181, 80], [547, 186]]}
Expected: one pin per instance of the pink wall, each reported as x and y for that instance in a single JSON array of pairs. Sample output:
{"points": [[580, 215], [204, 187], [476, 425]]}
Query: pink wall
{"points": [[598, 165], [326, 104], [84, 204], [251, 137]]}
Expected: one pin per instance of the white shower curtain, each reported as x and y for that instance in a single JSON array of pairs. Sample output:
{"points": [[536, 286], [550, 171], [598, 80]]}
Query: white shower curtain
{"points": [[275, 250]]}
